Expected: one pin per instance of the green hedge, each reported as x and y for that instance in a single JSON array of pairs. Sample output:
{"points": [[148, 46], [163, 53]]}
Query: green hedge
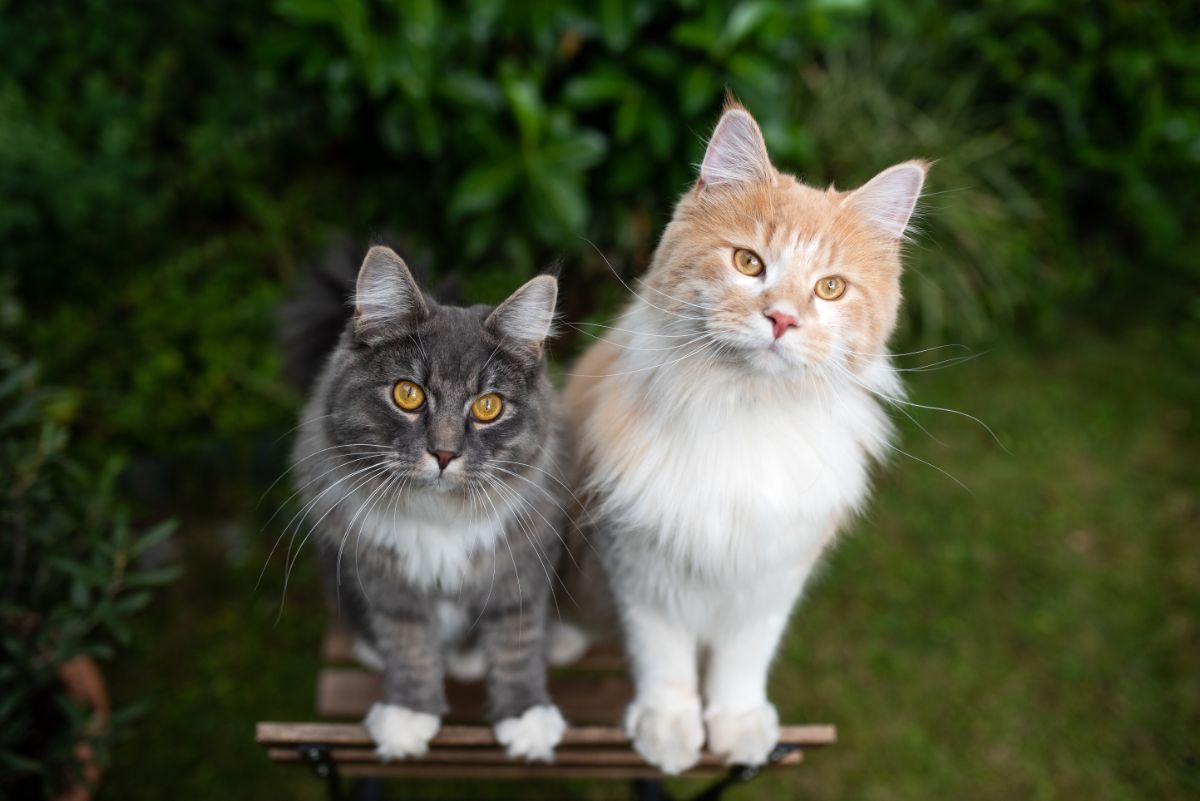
{"points": [[168, 168]]}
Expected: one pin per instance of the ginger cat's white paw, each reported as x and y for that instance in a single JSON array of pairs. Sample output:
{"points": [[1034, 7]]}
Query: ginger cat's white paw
{"points": [[743, 737], [668, 736], [399, 732], [533, 735], [565, 643]]}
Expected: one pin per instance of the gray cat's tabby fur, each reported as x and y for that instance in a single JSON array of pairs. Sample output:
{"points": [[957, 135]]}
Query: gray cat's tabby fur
{"points": [[425, 557]]}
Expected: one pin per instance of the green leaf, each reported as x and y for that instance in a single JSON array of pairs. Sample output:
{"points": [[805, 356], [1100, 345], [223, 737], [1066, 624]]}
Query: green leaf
{"points": [[154, 536], [561, 198], [471, 90], [699, 89], [482, 188], [151, 578], [744, 18], [588, 91], [526, 105], [576, 151]]}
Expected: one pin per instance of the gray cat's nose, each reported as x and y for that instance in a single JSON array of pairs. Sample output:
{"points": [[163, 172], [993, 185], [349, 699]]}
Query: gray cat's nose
{"points": [[444, 457]]}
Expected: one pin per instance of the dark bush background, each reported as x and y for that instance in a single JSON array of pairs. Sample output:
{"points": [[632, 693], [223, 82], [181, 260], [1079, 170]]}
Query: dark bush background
{"points": [[168, 170]]}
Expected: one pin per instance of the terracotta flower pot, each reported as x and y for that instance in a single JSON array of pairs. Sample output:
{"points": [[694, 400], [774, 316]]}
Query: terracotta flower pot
{"points": [[85, 684]]}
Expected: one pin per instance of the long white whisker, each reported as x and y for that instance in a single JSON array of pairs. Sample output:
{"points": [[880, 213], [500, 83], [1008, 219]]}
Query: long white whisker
{"points": [[284, 532]]}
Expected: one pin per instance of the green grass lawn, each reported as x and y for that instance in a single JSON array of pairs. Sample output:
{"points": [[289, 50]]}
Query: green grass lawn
{"points": [[1035, 636]]}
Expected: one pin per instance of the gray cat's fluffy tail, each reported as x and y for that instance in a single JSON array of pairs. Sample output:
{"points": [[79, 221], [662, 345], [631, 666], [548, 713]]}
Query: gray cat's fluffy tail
{"points": [[313, 319]]}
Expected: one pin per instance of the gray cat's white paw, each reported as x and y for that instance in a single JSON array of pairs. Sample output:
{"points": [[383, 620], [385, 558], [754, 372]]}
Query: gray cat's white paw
{"points": [[532, 736], [668, 736], [399, 732], [744, 737], [367, 655], [466, 664], [565, 643]]}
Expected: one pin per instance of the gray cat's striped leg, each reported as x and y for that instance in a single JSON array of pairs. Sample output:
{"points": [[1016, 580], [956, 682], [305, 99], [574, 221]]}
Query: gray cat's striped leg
{"points": [[526, 723], [414, 694]]}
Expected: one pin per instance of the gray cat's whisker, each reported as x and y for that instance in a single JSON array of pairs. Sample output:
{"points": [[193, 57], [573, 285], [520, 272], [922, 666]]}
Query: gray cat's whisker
{"points": [[352, 458], [278, 539], [526, 524], [359, 515], [296, 463], [306, 508], [550, 525], [379, 470], [387, 490], [548, 475], [365, 474], [301, 424]]}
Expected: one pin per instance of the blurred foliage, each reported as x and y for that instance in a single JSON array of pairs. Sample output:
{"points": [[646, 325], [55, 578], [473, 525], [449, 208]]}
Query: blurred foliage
{"points": [[167, 167], [70, 584]]}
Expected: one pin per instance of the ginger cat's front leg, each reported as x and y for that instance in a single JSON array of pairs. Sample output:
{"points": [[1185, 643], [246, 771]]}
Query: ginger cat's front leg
{"points": [[742, 724], [664, 718]]}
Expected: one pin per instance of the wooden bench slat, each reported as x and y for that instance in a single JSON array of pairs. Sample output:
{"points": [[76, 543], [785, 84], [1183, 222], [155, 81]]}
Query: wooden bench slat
{"points": [[452, 736], [514, 771], [610, 757], [350, 692]]}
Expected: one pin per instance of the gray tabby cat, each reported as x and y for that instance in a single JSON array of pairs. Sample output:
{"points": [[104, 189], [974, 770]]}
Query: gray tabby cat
{"points": [[426, 455]]}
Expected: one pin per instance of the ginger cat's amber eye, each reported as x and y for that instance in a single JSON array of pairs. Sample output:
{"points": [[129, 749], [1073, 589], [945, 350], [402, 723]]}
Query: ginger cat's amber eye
{"points": [[831, 287], [747, 262], [408, 395], [486, 408]]}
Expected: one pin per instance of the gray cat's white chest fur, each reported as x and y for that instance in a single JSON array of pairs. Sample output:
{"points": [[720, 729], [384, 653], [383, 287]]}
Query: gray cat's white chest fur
{"points": [[434, 536]]}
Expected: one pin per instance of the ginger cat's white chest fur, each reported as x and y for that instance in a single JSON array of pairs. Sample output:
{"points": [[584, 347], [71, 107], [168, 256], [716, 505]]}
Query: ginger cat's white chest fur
{"points": [[735, 479]]}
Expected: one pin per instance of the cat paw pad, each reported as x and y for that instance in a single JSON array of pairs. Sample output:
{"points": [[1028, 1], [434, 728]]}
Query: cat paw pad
{"points": [[533, 735], [400, 732], [743, 737]]}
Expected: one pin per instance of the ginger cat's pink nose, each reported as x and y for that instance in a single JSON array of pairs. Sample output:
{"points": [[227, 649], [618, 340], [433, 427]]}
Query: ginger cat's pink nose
{"points": [[780, 322]]}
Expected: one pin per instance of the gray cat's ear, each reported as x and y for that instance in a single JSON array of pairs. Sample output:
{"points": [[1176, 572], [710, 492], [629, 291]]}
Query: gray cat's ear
{"points": [[888, 199], [387, 301], [528, 314], [736, 152]]}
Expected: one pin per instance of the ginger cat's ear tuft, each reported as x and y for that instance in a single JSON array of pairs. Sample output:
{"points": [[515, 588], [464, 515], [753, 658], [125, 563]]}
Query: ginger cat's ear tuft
{"points": [[888, 199], [736, 152]]}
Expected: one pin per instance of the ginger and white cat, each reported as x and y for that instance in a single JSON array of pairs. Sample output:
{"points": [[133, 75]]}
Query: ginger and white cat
{"points": [[727, 425]]}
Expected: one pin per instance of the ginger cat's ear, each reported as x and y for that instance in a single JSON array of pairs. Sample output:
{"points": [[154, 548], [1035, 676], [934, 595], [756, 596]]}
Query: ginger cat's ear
{"points": [[736, 152], [888, 199]]}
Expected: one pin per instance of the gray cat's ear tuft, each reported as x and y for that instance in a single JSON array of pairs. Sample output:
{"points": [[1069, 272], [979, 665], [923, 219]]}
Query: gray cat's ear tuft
{"points": [[888, 199], [736, 152], [387, 301], [528, 314]]}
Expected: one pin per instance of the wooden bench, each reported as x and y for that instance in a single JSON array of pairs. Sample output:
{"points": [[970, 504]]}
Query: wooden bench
{"points": [[591, 693]]}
